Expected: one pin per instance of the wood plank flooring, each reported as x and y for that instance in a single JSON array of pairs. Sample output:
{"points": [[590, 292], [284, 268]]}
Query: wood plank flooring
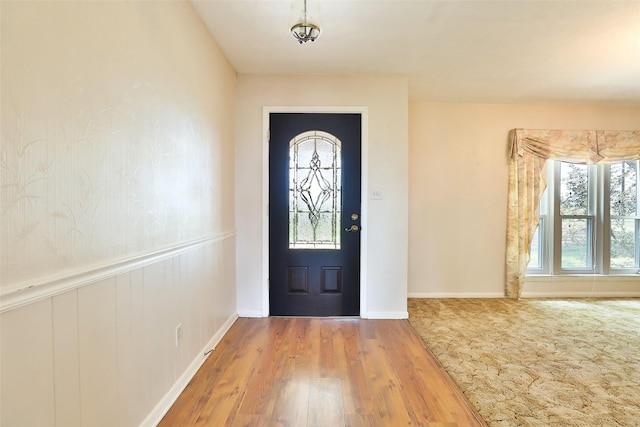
{"points": [[321, 372]]}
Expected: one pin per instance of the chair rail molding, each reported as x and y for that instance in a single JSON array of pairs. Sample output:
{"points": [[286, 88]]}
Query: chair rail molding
{"points": [[29, 292]]}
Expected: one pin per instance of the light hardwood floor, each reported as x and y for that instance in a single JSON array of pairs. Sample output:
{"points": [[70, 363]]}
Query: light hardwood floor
{"points": [[321, 372]]}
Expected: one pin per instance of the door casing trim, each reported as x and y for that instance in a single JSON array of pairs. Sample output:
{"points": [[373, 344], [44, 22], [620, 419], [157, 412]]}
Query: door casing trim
{"points": [[364, 117]]}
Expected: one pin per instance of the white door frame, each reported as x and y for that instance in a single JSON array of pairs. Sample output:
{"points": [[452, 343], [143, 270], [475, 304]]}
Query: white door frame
{"points": [[364, 112]]}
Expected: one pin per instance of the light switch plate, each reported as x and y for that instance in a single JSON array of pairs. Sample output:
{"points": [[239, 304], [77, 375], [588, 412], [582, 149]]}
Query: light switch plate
{"points": [[376, 193]]}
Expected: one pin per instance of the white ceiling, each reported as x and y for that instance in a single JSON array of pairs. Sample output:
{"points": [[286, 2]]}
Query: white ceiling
{"points": [[514, 51]]}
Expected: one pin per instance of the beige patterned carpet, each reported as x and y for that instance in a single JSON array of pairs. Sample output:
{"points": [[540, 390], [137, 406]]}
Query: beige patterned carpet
{"points": [[543, 362]]}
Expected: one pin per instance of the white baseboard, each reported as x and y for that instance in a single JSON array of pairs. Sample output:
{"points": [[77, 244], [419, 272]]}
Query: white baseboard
{"points": [[552, 294], [178, 387], [250, 313], [456, 295], [580, 294], [387, 315]]}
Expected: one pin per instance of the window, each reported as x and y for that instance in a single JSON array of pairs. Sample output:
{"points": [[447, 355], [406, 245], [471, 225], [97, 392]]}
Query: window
{"points": [[314, 191], [624, 214], [589, 220]]}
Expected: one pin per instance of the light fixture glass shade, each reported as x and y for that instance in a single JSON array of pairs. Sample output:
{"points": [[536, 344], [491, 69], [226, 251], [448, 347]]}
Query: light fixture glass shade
{"points": [[305, 26]]}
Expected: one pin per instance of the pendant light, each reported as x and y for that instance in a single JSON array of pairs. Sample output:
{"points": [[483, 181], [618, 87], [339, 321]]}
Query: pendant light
{"points": [[305, 30]]}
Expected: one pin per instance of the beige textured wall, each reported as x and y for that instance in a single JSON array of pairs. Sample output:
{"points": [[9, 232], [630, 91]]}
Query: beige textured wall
{"points": [[117, 134], [458, 193], [117, 142], [384, 233]]}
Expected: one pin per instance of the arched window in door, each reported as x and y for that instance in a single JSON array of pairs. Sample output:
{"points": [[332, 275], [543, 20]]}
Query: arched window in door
{"points": [[314, 191]]}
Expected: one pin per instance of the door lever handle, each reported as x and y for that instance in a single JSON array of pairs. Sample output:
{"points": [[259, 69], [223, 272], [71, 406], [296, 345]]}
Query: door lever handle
{"points": [[352, 229]]}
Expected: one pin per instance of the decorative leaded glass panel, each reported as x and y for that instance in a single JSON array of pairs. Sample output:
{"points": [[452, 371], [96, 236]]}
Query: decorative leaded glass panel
{"points": [[314, 191]]}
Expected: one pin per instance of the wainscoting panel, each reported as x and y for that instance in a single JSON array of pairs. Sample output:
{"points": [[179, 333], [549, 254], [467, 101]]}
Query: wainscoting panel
{"points": [[27, 367], [107, 353], [158, 337], [129, 371], [65, 355], [98, 355]]}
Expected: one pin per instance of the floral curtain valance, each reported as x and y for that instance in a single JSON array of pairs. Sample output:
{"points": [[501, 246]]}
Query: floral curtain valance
{"points": [[579, 146], [529, 151]]}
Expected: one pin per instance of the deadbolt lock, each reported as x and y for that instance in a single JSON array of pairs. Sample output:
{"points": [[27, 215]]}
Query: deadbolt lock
{"points": [[354, 217]]}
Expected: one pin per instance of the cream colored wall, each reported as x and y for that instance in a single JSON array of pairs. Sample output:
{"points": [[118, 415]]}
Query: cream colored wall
{"points": [[116, 208], [384, 98], [115, 134], [458, 195]]}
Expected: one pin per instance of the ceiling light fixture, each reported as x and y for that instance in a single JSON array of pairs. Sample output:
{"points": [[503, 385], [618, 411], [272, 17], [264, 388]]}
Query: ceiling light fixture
{"points": [[305, 30]]}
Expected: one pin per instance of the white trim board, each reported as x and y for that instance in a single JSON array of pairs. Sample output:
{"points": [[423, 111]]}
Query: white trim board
{"points": [[388, 315], [251, 313], [455, 295], [181, 383], [30, 292], [560, 294]]}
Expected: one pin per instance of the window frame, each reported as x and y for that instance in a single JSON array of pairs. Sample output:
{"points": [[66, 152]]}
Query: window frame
{"points": [[590, 216], [635, 218], [599, 243]]}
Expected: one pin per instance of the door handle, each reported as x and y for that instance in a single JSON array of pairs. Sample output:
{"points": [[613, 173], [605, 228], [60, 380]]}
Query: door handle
{"points": [[352, 229]]}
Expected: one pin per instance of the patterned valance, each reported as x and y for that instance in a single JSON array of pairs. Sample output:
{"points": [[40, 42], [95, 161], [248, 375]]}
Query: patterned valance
{"points": [[577, 146], [529, 151]]}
